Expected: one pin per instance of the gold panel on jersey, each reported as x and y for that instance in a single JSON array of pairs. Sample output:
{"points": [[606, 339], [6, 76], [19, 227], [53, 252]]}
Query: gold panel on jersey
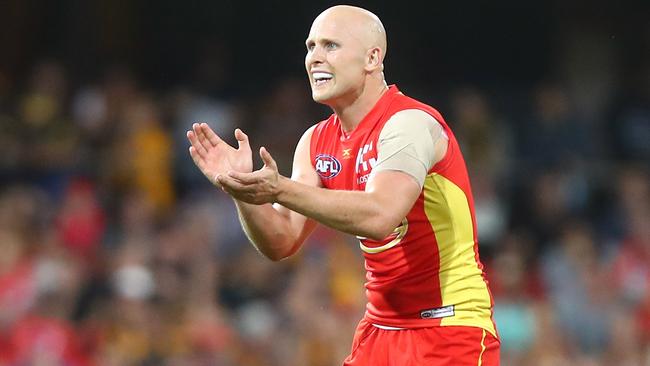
{"points": [[461, 280]]}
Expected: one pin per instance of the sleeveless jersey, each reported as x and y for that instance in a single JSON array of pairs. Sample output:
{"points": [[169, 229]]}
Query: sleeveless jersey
{"points": [[427, 272]]}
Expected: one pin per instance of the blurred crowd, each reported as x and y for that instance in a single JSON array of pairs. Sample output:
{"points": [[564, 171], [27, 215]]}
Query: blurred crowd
{"points": [[115, 250]]}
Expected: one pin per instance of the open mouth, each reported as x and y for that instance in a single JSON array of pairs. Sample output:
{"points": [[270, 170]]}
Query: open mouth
{"points": [[321, 78]]}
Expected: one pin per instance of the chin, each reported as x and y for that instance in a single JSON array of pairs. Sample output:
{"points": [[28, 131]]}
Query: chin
{"points": [[320, 97], [326, 95]]}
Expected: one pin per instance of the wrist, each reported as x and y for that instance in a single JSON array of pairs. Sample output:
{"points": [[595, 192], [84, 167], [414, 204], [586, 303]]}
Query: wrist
{"points": [[281, 189]]}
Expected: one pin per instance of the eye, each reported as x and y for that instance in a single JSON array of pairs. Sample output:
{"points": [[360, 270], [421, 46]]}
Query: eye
{"points": [[310, 46], [331, 45]]}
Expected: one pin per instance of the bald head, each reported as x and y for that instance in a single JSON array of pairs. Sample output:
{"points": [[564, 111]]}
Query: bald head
{"points": [[346, 47], [361, 24]]}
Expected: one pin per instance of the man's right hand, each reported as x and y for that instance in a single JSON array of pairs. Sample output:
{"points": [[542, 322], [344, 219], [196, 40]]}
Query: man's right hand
{"points": [[215, 157]]}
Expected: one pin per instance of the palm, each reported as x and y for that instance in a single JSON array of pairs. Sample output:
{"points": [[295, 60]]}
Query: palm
{"points": [[213, 156], [224, 157]]}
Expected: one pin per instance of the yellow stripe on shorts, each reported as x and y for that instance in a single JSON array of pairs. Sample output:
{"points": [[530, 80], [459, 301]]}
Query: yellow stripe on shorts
{"points": [[480, 356]]}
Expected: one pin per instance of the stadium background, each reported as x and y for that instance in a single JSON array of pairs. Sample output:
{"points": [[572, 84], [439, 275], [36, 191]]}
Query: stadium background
{"points": [[115, 251]]}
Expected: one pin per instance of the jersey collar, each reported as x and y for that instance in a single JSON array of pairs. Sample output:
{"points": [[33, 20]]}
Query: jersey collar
{"points": [[371, 119]]}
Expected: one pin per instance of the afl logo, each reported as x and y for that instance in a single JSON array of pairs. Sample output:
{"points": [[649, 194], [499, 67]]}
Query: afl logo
{"points": [[327, 166]]}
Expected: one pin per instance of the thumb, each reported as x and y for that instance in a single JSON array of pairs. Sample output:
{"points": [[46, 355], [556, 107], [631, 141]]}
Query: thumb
{"points": [[267, 159], [242, 138]]}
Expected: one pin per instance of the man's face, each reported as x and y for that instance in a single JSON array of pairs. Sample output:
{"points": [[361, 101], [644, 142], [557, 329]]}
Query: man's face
{"points": [[335, 60]]}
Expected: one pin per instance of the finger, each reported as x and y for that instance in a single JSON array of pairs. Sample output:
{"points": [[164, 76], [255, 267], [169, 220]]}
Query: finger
{"points": [[200, 149], [195, 155], [242, 139], [267, 158], [215, 180], [243, 197], [245, 178], [248, 197], [201, 137], [234, 187], [212, 137], [200, 163], [198, 160]]}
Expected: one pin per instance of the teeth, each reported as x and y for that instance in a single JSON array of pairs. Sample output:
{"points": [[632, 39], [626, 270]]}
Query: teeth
{"points": [[322, 75]]}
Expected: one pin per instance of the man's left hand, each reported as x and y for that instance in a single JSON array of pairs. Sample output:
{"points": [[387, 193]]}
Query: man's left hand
{"points": [[258, 187]]}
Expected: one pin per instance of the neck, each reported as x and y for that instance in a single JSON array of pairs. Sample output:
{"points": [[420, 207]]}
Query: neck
{"points": [[350, 114]]}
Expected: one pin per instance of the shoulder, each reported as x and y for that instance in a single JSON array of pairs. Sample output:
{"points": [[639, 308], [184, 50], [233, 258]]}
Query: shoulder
{"points": [[310, 137], [329, 122], [306, 138], [406, 103], [322, 130], [410, 120]]}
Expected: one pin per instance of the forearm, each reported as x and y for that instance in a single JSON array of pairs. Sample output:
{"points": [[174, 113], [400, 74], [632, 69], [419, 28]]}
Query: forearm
{"points": [[358, 213], [279, 230], [268, 230]]}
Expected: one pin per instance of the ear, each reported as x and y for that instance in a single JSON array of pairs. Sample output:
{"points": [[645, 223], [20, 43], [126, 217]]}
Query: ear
{"points": [[374, 59]]}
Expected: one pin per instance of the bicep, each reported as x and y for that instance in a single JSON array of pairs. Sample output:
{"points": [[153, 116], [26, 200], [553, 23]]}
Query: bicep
{"points": [[395, 191], [410, 143]]}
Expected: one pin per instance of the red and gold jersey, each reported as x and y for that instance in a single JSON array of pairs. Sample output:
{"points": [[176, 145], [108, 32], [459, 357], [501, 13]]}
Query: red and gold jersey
{"points": [[427, 272]]}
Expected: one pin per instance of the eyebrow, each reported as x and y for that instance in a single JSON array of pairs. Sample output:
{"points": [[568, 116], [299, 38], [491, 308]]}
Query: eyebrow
{"points": [[321, 40]]}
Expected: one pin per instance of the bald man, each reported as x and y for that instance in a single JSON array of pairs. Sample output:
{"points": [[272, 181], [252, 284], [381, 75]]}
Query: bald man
{"points": [[387, 169]]}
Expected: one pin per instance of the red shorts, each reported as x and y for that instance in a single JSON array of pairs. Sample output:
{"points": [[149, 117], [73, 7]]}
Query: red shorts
{"points": [[435, 346]]}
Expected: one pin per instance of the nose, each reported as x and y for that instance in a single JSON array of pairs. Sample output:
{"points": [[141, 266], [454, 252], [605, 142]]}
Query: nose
{"points": [[314, 57]]}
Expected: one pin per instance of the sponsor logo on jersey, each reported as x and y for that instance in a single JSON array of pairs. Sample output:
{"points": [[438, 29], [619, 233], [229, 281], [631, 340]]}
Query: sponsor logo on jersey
{"points": [[327, 166], [347, 153], [442, 312], [363, 179], [365, 162]]}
